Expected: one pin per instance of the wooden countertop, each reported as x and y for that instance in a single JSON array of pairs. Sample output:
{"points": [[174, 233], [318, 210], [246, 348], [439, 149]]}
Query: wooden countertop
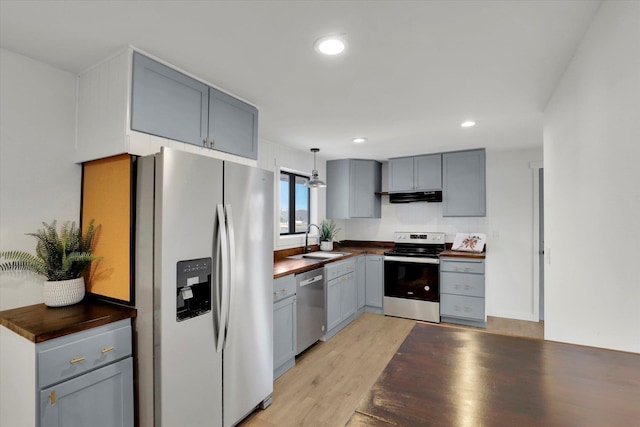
{"points": [[283, 266], [462, 254], [39, 323]]}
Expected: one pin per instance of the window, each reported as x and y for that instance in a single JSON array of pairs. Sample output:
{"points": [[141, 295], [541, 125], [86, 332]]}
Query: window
{"points": [[294, 203]]}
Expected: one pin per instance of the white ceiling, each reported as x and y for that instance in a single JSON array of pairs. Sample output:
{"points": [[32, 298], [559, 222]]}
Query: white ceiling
{"points": [[411, 73]]}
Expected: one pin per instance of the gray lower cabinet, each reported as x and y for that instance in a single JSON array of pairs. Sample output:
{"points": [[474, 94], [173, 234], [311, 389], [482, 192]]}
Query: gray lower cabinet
{"points": [[464, 183], [341, 295], [374, 282], [102, 397], [361, 280], [284, 324], [353, 188], [170, 104], [417, 173], [462, 291], [87, 378]]}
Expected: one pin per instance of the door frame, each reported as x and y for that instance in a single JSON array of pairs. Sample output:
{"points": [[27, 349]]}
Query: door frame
{"points": [[535, 174]]}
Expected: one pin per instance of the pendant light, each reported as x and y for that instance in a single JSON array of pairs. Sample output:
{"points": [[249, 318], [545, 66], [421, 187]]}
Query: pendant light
{"points": [[314, 182]]}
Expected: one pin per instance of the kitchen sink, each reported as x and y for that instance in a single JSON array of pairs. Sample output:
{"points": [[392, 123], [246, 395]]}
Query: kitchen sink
{"points": [[324, 255], [319, 255]]}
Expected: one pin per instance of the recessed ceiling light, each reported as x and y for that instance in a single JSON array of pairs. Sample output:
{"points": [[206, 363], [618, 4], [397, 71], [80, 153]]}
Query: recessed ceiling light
{"points": [[468, 124], [359, 140], [330, 45]]}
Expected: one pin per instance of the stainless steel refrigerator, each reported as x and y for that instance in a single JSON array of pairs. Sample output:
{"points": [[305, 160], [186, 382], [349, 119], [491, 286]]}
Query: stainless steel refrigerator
{"points": [[204, 272]]}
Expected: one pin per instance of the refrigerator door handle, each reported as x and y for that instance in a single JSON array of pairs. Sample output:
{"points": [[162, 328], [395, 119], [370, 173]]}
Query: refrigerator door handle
{"points": [[231, 270], [222, 264]]}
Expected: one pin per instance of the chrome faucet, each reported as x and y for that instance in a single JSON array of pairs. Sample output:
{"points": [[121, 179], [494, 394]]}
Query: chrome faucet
{"points": [[307, 249]]}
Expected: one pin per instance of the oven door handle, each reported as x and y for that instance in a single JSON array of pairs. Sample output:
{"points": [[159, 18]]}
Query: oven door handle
{"points": [[412, 260]]}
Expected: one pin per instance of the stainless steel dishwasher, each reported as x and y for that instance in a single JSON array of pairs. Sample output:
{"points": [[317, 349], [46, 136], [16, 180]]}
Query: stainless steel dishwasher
{"points": [[310, 310]]}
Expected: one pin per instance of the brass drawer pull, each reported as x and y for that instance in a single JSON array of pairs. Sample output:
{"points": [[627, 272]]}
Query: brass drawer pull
{"points": [[52, 397], [107, 349], [76, 360]]}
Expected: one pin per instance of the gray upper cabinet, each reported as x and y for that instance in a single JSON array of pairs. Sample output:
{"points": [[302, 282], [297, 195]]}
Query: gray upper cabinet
{"points": [[428, 172], [464, 183], [401, 174], [353, 188], [167, 103], [233, 125], [418, 173], [170, 104]]}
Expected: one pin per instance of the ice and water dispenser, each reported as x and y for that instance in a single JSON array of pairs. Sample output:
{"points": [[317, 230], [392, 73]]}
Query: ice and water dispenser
{"points": [[193, 288]]}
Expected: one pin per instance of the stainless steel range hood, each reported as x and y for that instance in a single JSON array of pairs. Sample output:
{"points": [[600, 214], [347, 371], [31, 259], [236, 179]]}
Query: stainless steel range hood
{"points": [[418, 196]]}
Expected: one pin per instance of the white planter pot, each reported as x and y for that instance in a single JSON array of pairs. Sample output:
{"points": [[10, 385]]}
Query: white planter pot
{"points": [[63, 292], [326, 246]]}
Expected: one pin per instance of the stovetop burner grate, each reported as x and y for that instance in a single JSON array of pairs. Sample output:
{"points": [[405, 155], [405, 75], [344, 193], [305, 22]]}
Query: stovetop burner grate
{"points": [[425, 245]]}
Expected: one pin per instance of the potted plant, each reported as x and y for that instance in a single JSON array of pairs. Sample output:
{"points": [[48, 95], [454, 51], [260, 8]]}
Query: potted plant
{"points": [[328, 232], [61, 257]]}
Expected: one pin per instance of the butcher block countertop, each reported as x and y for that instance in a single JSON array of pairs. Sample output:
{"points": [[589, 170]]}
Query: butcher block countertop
{"points": [[39, 323], [462, 254], [283, 266]]}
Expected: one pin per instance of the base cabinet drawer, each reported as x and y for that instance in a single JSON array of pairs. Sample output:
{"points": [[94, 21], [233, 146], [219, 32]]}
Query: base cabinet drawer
{"points": [[462, 265], [462, 284], [462, 307], [284, 287], [76, 355]]}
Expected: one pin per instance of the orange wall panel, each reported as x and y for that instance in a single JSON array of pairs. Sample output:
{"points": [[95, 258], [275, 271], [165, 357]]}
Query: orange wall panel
{"points": [[106, 198]]}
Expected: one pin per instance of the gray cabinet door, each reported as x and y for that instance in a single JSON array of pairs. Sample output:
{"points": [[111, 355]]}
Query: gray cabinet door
{"points": [[338, 188], [233, 125], [352, 185], [374, 265], [167, 103], [428, 172], [401, 175], [365, 177], [334, 315], [284, 331], [348, 301], [101, 398], [464, 187], [361, 280]]}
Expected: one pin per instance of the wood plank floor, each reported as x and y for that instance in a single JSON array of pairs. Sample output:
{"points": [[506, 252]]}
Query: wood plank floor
{"points": [[331, 378], [453, 377]]}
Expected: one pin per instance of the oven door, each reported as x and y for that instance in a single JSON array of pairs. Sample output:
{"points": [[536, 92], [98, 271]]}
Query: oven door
{"points": [[412, 278]]}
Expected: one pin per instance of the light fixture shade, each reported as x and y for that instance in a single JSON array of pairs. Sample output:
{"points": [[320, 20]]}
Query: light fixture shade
{"points": [[314, 182]]}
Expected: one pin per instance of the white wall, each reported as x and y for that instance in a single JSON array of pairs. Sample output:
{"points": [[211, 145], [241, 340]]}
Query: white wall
{"points": [[508, 225], [592, 188], [38, 180]]}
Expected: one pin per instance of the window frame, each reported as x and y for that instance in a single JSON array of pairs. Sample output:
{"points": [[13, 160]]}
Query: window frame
{"points": [[292, 202]]}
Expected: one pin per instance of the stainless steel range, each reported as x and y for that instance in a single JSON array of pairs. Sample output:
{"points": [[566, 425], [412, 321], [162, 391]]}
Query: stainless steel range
{"points": [[411, 276]]}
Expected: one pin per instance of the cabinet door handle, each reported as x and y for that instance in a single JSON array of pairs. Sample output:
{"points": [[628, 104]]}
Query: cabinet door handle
{"points": [[107, 349], [76, 360], [204, 142], [52, 397], [213, 142]]}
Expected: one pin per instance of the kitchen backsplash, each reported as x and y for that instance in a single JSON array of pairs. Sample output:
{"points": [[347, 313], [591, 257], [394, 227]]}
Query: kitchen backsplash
{"points": [[409, 217]]}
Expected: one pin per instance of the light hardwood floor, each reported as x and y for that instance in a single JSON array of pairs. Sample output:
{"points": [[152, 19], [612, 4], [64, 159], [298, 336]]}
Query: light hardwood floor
{"points": [[331, 378]]}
